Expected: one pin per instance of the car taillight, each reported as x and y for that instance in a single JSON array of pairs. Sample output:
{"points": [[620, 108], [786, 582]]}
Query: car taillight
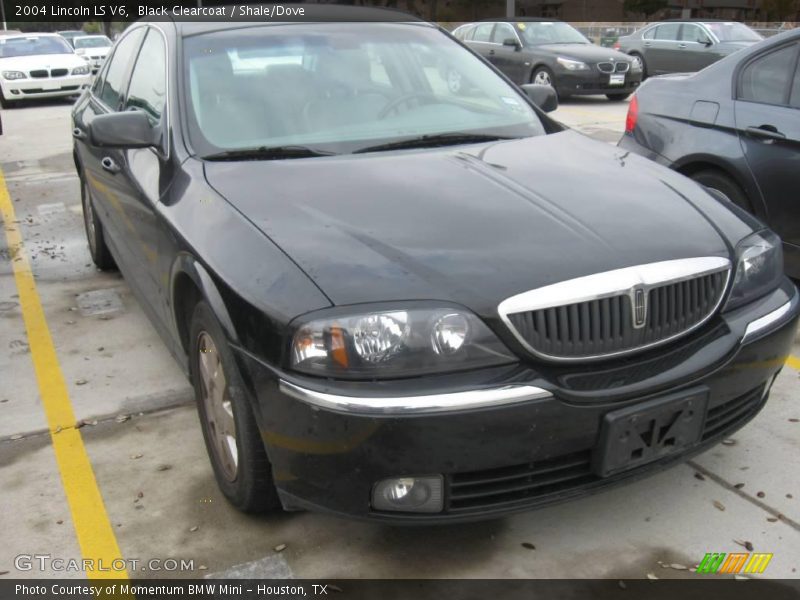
{"points": [[616, 45], [633, 114]]}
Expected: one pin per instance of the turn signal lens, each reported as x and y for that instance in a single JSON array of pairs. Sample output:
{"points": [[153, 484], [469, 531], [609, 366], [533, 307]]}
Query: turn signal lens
{"points": [[633, 115]]}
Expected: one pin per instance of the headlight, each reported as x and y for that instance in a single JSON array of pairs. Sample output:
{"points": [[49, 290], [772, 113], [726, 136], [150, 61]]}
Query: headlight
{"points": [[759, 268], [572, 65], [82, 70], [395, 343], [12, 75]]}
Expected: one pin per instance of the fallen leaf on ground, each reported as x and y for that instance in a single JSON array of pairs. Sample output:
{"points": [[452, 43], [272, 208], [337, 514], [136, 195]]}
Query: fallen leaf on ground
{"points": [[280, 548], [760, 494], [719, 505], [678, 567], [739, 486], [528, 545], [699, 476], [651, 576], [728, 442], [136, 456], [772, 519], [81, 382], [194, 528], [163, 467]]}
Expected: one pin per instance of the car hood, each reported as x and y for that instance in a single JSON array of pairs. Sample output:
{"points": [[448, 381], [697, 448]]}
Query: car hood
{"points": [[469, 224], [584, 52], [41, 61]]}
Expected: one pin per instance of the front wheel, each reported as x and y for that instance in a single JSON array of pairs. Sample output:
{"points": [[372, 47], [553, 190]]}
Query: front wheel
{"points": [[233, 441], [543, 76]]}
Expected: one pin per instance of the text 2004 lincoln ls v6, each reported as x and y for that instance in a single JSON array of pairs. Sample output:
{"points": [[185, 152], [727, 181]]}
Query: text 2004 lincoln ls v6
{"points": [[399, 303]]}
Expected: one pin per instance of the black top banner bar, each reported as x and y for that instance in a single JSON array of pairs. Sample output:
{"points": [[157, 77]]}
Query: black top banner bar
{"points": [[45, 15]]}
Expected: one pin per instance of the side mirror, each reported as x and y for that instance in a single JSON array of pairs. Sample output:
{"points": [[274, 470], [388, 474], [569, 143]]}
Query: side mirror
{"points": [[129, 129], [704, 40], [512, 42], [543, 96]]}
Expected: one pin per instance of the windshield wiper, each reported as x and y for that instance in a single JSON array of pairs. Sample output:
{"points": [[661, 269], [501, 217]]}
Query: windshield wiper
{"points": [[268, 153], [432, 141]]}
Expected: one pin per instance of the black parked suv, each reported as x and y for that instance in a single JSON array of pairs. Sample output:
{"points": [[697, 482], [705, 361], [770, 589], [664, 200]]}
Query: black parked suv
{"points": [[552, 53]]}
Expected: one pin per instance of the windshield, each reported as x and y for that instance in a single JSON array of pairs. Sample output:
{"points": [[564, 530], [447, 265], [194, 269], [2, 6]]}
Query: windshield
{"points": [[31, 46], [535, 33], [733, 32], [92, 42], [342, 87]]}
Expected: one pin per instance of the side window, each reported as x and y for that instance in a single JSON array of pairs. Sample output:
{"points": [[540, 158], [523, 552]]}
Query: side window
{"points": [[649, 34], [667, 31], [794, 98], [766, 79], [483, 32], [502, 32], [147, 91], [114, 80], [690, 33]]}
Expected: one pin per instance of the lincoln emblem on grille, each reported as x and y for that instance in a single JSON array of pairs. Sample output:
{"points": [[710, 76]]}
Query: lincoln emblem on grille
{"points": [[639, 299]]}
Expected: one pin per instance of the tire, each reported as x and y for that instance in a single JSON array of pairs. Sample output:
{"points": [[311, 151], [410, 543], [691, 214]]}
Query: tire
{"points": [[233, 441], [95, 235], [618, 97], [5, 103], [722, 183], [641, 60], [543, 76]]}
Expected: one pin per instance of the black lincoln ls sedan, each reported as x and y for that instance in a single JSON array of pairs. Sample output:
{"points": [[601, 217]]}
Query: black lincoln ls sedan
{"points": [[400, 303]]}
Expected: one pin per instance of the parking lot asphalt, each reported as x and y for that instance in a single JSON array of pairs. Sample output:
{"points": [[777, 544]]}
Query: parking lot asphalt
{"points": [[90, 357]]}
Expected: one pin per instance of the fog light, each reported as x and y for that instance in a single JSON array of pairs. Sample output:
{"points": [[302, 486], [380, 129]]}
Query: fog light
{"points": [[409, 494]]}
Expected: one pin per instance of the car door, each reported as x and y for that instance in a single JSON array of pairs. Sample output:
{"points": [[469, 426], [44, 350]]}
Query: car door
{"points": [[481, 40], [767, 112], [694, 53], [106, 188], [510, 60], [663, 54], [146, 171]]}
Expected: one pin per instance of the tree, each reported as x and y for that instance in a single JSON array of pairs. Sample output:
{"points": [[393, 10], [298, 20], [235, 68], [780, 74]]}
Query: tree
{"points": [[644, 7]]}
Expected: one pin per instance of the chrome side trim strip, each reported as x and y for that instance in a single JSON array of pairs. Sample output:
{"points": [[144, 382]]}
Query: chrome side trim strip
{"points": [[755, 328], [613, 283], [411, 405]]}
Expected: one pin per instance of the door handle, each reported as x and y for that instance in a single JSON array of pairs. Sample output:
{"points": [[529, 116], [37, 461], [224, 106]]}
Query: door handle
{"points": [[681, 45], [109, 165], [647, 44], [766, 132], [78, 133], [491, 52]]}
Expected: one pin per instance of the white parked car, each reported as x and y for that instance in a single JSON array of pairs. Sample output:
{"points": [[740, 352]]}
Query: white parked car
{"points": [[40, 65], [94, 48]]}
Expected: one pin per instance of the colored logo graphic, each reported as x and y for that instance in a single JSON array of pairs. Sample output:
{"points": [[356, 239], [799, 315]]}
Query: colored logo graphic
{"points": [[735, 562]]}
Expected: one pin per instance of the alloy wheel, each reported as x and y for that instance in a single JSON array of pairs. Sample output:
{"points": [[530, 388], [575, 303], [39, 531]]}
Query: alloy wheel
{"points": [[542, 78], [218, 407]]}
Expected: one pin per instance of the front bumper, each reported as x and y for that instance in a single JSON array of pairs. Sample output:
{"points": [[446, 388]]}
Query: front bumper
{"points": [[508, 438], [572, 83], [55, 87]]}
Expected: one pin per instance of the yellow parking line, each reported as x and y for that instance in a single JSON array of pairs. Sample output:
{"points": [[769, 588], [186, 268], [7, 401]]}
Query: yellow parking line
{"points": [[793, 362], [92, 527]]}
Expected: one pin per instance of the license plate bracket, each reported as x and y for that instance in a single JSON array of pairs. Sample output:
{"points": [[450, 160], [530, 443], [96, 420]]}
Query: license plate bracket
{"points": [[616, 79], [646, 432]]}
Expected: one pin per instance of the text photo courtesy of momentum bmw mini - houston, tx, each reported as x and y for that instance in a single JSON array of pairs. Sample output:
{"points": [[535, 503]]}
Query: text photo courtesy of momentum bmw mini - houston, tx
{"points": [[410, 298]]}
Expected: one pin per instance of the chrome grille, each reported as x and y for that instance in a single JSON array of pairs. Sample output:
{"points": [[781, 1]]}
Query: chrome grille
{"points": [[611, 67], [631, 309]]}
